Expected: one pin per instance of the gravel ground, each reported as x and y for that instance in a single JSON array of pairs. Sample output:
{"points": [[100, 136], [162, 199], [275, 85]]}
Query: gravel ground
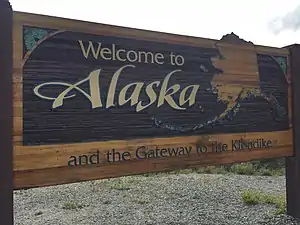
{"points": [[187, 199]]}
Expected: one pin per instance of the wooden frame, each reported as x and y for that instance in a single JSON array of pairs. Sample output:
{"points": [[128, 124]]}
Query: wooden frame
{"points": [[36, 166], [6, 165]]}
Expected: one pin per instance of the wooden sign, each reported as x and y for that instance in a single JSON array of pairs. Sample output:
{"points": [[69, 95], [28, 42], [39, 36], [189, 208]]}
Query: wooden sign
{"points": [[95, 101]]}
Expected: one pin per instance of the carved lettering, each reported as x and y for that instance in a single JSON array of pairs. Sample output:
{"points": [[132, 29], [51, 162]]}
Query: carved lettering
{"points": [[96, 50], [165, 94], [94, 97]]}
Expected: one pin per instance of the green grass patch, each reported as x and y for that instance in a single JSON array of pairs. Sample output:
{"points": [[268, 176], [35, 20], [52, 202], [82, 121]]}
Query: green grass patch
{"points": [[119, 185], [253, 197], [244, 169], [270, 167]]}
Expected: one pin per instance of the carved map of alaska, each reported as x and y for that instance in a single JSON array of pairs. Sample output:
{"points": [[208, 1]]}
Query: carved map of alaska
{"points": [[238, 80]]}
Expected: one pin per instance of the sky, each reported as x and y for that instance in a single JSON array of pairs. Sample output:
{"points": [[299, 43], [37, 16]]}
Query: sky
{"points": [[264, 22]]}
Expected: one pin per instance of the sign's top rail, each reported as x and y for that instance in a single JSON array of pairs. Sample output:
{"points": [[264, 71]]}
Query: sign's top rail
{"points": [[233, 41]]}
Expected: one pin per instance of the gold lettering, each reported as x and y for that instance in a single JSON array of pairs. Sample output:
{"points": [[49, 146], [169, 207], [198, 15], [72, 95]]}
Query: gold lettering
{"points": [[90, 48], [164, 95], [112, 86], [94, 96], [118, 55], [113, 52], [95, 89], [37, 88], [151, 94], [146, 56], [105, 51], [159, 56], [134, 54], [192, 97], [134, 97]]}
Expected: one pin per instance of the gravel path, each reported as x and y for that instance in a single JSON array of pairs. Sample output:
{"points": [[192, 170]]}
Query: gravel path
{"points": [[184, 199]]}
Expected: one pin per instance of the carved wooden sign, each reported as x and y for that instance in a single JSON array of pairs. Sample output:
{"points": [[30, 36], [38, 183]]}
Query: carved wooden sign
{"points": [[95, 101]]}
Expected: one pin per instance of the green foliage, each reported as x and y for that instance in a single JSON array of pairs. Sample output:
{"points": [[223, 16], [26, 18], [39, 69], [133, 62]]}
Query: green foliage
{"points": [[243, 169], [121, 184], [266, 167], [253, 197]]}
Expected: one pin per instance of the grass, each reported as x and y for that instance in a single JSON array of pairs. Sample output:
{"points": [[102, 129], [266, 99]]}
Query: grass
{"points": [[253, 197], [271, 167], [73, 205], [120, 184]]}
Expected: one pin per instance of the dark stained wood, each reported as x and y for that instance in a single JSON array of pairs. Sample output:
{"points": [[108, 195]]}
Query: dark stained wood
{"points": [[60, 58], [45, 139], [293, 163], [6, 164]]}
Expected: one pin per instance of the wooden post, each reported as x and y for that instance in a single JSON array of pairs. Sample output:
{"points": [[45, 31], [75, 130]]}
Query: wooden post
{"points": [[6, 164], [293, 163]]}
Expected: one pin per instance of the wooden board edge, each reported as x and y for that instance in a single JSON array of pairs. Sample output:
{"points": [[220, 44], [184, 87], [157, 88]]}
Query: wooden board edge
{"points": [[41, 157], [67, 175], [62, 23]]}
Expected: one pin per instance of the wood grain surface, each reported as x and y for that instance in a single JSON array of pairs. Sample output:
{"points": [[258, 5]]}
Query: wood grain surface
{"points": [[244, 93]]}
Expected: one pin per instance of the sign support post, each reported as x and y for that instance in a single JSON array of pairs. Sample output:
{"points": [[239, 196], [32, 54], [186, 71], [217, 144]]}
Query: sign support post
{"points": [[6, 165], [293, 163]]}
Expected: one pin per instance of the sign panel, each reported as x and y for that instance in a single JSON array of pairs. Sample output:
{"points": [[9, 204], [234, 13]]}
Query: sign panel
{"points": [[94, 101]]}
